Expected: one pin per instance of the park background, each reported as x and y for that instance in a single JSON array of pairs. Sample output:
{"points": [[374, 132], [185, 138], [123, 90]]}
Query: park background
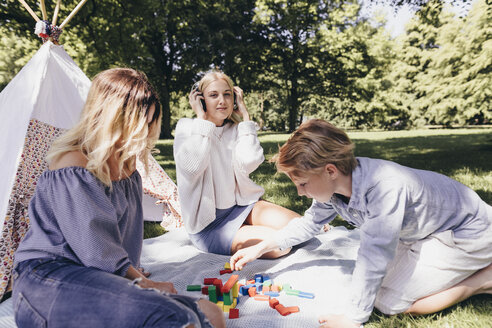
{"points": [[420, 97]]}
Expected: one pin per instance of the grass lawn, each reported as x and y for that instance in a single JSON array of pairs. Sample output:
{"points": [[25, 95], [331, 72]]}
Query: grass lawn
{"points": [[463, 154]]}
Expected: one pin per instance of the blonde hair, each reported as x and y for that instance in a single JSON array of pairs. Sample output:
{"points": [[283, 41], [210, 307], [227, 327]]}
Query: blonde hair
{"points": [[312, 146], [114, 120], [215, 75]]}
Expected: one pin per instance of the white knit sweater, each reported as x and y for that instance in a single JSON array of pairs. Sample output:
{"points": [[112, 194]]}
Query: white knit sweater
{"points": [[212, 168]]}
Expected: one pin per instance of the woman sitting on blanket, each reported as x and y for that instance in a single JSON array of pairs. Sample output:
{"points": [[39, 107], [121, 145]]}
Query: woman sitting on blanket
{"points": [[214, 154], [425, 238], [78, 264]]}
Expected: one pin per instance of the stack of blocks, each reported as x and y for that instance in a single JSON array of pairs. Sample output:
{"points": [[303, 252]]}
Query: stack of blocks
{"points": [[264, 285], [262, 288], [224, 295]]}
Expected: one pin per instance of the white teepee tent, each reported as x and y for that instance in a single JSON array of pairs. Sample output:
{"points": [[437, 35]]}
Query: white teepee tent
{"points": [[43, 100]]}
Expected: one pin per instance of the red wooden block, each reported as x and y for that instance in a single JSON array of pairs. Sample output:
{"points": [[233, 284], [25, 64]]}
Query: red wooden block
{"points": [[205, 290], [208, 281], [218, 285], [292, 309], [282, 309], [250, 282], [228, 285], [252, 291], [273, 302], [259, 297], [233, 313], [225, 271]]}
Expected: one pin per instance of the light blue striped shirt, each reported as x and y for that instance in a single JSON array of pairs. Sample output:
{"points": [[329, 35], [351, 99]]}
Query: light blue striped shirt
{"points": [[73, 215], [391, 203]]}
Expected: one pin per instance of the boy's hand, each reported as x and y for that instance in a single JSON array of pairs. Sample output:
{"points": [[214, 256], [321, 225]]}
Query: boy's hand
{"points": [[337, 321], [246, 255]]}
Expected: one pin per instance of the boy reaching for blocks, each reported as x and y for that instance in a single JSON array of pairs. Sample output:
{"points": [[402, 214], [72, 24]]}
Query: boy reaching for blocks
{"points": [[424, 238]]}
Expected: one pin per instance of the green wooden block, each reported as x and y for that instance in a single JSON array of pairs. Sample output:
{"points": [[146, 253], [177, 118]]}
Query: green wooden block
{"points": [[292, 292], [227, 298], [212, 294], [194, 288]]}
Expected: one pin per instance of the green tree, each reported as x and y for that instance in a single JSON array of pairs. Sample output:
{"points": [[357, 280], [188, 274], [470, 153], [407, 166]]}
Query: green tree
{"points": [[414, 54], [458, 81], [307, 55]]}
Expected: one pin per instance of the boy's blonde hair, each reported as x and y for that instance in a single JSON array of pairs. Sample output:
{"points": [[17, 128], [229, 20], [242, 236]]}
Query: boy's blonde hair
{"points": [[312, 146], [114, 120], [215, 75]]}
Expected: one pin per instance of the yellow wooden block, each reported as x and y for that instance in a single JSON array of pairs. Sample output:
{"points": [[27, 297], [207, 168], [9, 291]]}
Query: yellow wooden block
{"points": [[220, 304], [234, 303], [227, 308], [227, 265], [235, 290]]}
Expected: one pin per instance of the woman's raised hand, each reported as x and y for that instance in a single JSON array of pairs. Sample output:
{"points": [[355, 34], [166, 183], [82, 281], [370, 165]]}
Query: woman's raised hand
{"points": [[241, 107], [194, 98]]}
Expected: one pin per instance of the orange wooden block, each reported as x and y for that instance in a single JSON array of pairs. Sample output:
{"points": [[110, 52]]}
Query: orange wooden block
{"points": [[292, 309], [282, 309], [250, 282], [252, 291], [273, 302], [274, 288], [259, 297], [228, 285], [266, 289]]}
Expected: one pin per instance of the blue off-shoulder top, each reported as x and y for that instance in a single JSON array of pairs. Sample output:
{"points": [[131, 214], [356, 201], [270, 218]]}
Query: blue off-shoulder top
{"points": [[73, 215]]}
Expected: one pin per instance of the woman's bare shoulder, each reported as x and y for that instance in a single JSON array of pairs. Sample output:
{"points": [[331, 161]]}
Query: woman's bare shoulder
{"points": [[72, 158]]}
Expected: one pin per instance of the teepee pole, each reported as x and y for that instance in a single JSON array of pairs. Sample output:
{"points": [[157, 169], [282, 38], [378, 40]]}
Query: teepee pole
{"points": [[43, 10], [33, 14], [55, 13], [76, 9]]}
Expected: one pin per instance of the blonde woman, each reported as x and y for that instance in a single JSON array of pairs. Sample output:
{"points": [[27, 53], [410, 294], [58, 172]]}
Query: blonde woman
{"points": [[215, 153], [78, 264]]}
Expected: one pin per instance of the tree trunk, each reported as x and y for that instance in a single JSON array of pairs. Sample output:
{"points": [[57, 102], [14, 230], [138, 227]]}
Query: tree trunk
{"points": [[166, 111], [262, 113], [293, 104]]}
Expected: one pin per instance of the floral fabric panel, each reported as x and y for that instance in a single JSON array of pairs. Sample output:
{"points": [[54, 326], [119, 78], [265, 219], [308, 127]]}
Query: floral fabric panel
{"points": [[32, 164], [157, 184]]}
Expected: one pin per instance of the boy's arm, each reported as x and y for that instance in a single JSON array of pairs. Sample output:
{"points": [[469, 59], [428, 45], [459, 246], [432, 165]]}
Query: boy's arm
{"points": [[295, 232], [379, 236], [301, 229]]}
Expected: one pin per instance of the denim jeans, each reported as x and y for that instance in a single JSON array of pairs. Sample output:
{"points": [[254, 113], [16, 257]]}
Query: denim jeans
{"points": [[56, 292]]}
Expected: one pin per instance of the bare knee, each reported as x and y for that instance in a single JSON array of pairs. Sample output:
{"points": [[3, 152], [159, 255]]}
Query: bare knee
{"points": [[213, 313], [276, 253]]}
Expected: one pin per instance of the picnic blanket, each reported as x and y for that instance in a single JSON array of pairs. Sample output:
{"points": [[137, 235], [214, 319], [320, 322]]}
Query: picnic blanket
{"points": [[322, 266]]}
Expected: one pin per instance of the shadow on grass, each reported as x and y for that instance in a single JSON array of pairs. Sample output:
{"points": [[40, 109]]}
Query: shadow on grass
{"points": [[446, 154]]}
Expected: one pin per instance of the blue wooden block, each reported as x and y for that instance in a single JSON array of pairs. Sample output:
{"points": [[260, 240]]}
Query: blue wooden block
{"points": [[306, 295], [272, 294], [258, 278], [243, 290]]}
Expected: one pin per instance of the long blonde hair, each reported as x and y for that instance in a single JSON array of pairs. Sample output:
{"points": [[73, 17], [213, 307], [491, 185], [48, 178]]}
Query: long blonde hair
{"points": [[313, 145], [215, 75], [114, 120]]}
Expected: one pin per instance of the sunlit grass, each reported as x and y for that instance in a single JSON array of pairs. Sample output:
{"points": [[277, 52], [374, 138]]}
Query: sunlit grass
{"points": [[463, 154]]}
